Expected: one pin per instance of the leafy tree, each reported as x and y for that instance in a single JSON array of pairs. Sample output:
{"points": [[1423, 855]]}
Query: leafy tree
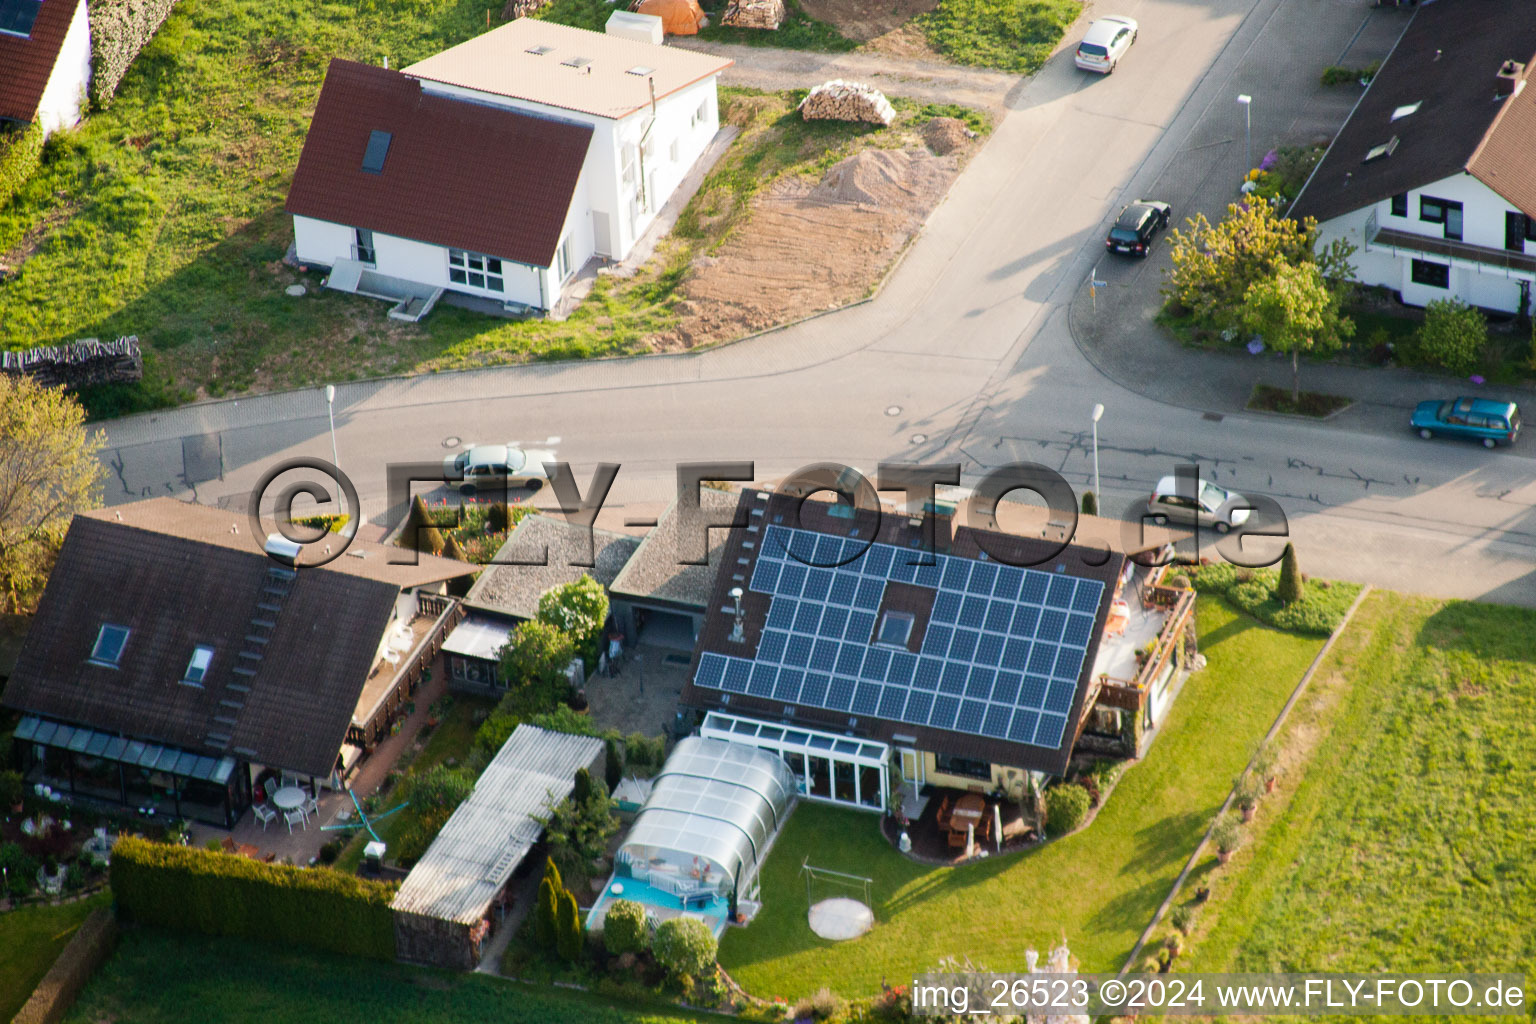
{"points": [[20, 872], [1290, 589], [582, 791], [545, 928], [1295, 312], [533, 664], [433, 795], [552, 872], [685, 945], [1453, 336], [1214, 265], [1090, 504], [578, 609], [624, 929], [568, 927], [578, 830], [49, 470]]}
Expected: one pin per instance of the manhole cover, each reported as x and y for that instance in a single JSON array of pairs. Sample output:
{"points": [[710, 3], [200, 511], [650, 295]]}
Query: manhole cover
{"points": [[919, 438], [893, 410], [451, 442], [296, 290]]}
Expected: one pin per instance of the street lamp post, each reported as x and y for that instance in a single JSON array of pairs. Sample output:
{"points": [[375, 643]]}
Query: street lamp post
{"points": [[330, 411], [1098, 410], [1247, 102]]}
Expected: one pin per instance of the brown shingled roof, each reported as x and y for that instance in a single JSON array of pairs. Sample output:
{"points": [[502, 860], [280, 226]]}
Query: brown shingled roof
{"points": [[26, 64], [457, 174], [174, 593], [1447, 61], [515, 589], [655, 572]]}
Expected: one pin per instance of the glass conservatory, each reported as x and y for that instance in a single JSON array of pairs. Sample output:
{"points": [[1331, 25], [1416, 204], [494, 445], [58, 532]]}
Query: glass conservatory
{"points": [[698, 841]]}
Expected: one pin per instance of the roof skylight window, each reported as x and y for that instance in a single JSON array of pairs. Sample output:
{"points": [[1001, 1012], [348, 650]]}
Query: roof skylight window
{"points": [[197, 668], [109, 645], [1406, 109]]}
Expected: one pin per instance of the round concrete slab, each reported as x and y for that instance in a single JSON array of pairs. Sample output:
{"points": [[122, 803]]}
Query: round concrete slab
{"points": [[295, 290], [841, 918]]}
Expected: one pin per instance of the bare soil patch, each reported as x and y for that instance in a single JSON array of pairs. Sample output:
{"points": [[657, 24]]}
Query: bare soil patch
{"points": [[863, 20], [908, 42], [812, 246]]}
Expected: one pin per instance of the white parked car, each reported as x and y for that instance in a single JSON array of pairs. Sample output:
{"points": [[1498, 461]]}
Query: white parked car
{"points": [[1216, 507], [1105, 42], [494, 468]]}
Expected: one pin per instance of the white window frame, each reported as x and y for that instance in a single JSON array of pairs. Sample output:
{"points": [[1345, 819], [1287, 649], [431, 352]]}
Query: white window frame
{"points": [[477, 270], [563, 260], [99, 658], [197, 665]]}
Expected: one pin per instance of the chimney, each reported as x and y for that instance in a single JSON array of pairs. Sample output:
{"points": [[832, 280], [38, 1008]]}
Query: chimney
{"points": [[938, 516], [1510, 73]]}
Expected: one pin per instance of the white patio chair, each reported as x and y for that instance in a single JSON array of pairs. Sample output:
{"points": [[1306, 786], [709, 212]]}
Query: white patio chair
{"points": [[311, 806], [264, 814], [295, 816]]}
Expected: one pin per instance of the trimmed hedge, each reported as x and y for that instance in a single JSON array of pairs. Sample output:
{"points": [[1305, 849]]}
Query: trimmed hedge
{"points": [[88, 950], [21, 150], [189, 889]]}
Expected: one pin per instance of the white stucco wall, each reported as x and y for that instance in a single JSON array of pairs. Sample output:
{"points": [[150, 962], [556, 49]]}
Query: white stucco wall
{"points": [[324, 243], [1479, 284], [608, 195], [59, 106]]}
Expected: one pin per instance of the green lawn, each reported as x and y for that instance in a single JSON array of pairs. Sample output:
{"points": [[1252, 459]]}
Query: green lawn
{"points": [[1009, 35], [158, 976], [30, 940], [1409, 841], [1098, 887]]}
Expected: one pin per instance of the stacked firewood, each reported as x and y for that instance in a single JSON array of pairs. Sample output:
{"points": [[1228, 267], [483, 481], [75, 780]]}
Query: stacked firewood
{"points": [[520, 8], [754, 14], [838, 100], [79, 364]]}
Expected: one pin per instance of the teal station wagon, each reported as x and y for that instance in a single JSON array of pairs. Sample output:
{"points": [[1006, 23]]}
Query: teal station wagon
{"points": [[1483, 419]]}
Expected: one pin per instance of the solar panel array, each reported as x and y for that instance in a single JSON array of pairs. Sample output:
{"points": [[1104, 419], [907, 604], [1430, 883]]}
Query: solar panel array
{"points": [[1001, 655]]}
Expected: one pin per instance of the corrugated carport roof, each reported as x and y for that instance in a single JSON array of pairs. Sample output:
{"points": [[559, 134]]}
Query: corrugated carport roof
{"points": [[491, 832]]}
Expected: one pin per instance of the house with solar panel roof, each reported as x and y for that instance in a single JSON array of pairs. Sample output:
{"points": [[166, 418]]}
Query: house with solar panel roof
{"points": [[878, 670]]}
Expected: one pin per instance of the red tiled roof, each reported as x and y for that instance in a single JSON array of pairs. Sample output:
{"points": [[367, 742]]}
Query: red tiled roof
{"points": [[26, 64], [458, 174]]}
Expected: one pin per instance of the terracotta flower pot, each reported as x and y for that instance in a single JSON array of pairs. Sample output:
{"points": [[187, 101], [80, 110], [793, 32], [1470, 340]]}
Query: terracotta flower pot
{"points": [[1269, 784], [1222, 856], [1248, 813]]}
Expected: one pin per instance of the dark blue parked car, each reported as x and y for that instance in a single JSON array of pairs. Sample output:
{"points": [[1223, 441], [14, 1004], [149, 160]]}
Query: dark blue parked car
{"points": [[1483, 419]]}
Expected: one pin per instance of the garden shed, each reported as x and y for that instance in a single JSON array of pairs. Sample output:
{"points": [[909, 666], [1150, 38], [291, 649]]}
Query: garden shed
{"points": [[451, 900]]}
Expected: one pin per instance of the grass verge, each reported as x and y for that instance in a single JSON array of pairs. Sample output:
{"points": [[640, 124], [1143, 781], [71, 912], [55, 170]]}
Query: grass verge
{"points": [[157, 976], [1402, 833], [1312, 403], [1322, 606], [1103, 882], [31, 939], [1009, 35]]}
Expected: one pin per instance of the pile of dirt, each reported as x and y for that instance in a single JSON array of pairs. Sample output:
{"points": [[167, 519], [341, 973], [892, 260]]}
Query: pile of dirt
{"points": [[776, 268], [889, 178], [863, 20], [944, 135]]}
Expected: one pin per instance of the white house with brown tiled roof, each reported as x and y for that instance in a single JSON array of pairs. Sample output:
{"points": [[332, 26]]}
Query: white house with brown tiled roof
{"points": [[500, 167], [1433, 177], [653, 110]]}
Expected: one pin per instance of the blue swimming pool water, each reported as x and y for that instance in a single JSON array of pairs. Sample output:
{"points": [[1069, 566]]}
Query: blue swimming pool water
{"points": [[643, 893]]}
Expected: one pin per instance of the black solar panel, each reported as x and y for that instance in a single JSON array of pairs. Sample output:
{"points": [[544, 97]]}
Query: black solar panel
{"points": [[787, 689], [761, 684], [817, 582], [770, 648], [711, 671], [970, 717], [1001, 651], [797, 651], [840, 693], [866, 700]]}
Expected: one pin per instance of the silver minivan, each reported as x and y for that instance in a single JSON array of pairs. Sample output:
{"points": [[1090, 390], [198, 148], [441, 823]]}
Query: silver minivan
{"points": [[1216, 507]]}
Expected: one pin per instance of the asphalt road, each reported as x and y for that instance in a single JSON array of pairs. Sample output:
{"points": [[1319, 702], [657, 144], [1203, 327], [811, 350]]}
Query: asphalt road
{"points": [[965, 356]]}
